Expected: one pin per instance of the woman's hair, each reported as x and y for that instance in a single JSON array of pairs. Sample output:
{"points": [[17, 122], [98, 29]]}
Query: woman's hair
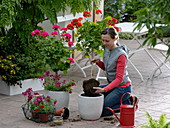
{"points": [[111, 31]]}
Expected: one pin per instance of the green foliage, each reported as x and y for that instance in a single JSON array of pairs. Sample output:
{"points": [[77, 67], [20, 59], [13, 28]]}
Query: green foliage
{"points": [[89, 36], [54, 83], [126, 36], [161, 123], [14, 68], [19, 17], [156, 19], [54, 52], [114, 8]]}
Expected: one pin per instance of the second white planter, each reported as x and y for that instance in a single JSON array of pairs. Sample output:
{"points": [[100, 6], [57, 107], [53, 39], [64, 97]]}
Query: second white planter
{"points": [[90, 108], [62, 98]]}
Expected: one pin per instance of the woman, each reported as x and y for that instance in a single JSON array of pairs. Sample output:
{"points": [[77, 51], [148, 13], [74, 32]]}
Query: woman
{"points": [[114, 64]]}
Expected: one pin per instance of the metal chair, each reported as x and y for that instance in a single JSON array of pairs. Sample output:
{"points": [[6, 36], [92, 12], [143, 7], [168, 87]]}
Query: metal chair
{"points": [[162, 48]]}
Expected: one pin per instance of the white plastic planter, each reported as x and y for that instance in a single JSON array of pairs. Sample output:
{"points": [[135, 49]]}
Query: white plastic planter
{"points": [[62, 98], [35, 84], [90, 108]]}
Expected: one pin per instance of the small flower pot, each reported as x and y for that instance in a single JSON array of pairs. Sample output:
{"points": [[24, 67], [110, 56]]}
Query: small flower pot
{"points": [[90, 108], [44, 117], [34, 115]]}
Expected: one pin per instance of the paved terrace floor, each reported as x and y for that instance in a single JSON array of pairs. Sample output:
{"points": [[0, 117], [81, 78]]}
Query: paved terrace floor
{"points": [[154, 96]]}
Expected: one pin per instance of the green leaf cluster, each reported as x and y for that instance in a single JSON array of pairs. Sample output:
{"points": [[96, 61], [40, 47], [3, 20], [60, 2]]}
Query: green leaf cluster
{"points": [[19, 17], [156, 18], [55, 53], [160, 123], [89, 36]]}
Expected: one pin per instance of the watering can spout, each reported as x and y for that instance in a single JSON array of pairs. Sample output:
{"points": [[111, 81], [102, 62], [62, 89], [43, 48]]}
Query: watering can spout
{"points": [[114, 112]]}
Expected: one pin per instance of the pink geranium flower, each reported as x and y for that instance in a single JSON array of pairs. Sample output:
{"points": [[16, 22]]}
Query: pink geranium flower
{"points": [[56, 27], [66, 35], [71, 60], [54, 33], [35, 32], [70, 43], [64, 29], [44, 34]]}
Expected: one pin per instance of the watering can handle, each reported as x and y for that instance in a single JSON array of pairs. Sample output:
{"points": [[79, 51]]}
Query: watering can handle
{"points": [[134, 104]]}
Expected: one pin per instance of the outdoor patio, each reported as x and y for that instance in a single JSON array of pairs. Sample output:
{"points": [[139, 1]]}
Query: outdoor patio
{"points": [[154, 97]]}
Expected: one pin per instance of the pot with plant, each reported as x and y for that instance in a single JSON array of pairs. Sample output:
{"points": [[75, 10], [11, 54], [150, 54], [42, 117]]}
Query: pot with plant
{"points": [[57, 57], [18, 73], [57, 88], [53, 48], [90, 104], [88, 34], [38, 107]]}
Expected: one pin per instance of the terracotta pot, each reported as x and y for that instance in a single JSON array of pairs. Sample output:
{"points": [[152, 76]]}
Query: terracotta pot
{"points": [[44, 117], [63, 112], [35, 115]]}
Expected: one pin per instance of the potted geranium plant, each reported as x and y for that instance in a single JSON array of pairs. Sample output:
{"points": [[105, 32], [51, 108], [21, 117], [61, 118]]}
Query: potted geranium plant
{"points": [[89, 33], [53, 47], [42, 108], [57, 88]]}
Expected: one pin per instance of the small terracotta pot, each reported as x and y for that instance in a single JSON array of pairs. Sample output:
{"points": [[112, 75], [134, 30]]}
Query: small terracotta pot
{"points": [[35, 115], [64, 112], [44, 117]]}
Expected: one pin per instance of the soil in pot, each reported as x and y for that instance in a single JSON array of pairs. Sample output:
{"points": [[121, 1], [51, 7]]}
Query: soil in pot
{"points": [[88, 87]]}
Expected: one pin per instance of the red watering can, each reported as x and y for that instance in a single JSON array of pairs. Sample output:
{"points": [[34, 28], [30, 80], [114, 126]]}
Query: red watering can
{"points": [[127, 113]]}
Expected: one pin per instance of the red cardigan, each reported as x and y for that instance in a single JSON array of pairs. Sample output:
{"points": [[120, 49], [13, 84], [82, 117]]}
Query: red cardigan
{"points": [[120, 68]]}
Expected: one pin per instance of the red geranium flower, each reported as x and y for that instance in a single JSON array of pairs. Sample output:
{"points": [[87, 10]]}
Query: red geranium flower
{"points": [[74, 21], [79, 24], [70, 26], [80, 18], [112, 22], [98, 11], [42, 106], [117, 28], [86, 14], [37, 110], [55, 102]]}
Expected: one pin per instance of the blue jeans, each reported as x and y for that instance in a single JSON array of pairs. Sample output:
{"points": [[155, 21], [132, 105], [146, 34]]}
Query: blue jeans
{"points": [[112, 99]]}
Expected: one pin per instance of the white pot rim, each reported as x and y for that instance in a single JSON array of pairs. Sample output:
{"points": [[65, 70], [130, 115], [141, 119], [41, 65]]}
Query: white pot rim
{"points": [[92, 97]]}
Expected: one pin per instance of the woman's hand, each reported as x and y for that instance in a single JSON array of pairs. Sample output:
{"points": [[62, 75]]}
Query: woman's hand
{"points": [[99, 90], [95, 60]]}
